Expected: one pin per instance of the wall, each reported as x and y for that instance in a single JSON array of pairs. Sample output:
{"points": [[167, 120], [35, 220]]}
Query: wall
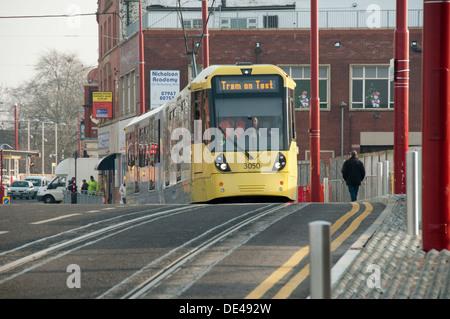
{"points": [[165, 49]]}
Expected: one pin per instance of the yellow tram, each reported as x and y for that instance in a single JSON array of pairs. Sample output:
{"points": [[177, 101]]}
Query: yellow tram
{"points": [[228, 136]]}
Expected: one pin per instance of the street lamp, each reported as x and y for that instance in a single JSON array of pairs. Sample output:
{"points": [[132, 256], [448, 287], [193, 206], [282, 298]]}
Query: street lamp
{"points": [[56, 140], [43, 155], [16, 129]]}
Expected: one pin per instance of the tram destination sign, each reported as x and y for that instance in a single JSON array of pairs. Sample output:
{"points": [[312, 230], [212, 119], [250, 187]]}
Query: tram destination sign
{"points": [[253, 84]]}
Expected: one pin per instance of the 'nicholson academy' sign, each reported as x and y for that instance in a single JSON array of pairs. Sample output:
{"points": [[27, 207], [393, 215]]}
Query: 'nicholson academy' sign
{"points": [[164, 85]]}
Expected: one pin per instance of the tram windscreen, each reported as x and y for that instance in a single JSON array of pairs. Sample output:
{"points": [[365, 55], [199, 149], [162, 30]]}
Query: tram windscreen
{"points": [[251, 120]]}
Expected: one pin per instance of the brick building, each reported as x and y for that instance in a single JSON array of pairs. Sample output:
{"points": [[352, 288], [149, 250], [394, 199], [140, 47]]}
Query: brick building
{"points": [[356, 46], [89, 130]]}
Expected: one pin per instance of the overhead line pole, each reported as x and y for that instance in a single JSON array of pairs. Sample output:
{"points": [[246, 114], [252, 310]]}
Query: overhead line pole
{"points": [[141, 65], [401, 97], [314, 130], [435, 126], [206, 34]]}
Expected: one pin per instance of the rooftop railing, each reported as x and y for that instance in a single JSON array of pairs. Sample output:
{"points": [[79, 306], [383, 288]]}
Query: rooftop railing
{"points": [[276, 19]]}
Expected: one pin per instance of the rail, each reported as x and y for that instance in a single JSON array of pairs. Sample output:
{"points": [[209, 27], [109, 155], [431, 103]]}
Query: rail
{"points": [[275, 19], [367, 190]]}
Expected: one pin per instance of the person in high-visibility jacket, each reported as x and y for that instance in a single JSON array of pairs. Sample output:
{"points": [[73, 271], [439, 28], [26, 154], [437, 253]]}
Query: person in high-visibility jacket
{"points": [[92, 186]]}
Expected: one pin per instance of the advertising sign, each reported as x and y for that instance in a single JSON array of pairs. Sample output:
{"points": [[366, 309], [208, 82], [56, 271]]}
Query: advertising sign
{"points": [[164, 85], [102, 104]]}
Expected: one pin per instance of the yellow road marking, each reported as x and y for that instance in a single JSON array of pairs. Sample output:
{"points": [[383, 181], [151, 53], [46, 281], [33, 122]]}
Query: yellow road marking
{"points": [[276, 276], [295, 281]]}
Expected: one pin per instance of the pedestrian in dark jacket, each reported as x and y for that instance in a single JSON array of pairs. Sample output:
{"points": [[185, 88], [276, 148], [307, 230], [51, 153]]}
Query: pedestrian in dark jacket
{"points": [[353, 173]]}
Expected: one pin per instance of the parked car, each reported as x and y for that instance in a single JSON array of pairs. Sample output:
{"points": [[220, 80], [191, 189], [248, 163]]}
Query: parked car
{"points": [[21, 189], [38, 182]]}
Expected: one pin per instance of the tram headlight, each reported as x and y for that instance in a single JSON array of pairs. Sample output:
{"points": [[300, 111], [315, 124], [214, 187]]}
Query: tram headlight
{"points": [[221, 164], [280, 162]]}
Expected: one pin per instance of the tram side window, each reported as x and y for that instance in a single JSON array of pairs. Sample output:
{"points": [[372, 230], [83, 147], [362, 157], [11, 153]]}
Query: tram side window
{"points": [[292, 114], [151, 155], [166, 150], [198, 105], [196, 115], [142, 147], [130, 149], [206, 116], [153, 146]]}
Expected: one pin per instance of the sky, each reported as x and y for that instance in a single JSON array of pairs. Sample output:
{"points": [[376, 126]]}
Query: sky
{"points": [[23, 41]]}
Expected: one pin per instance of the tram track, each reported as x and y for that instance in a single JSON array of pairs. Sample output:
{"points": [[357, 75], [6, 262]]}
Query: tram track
{"points": [[174, 264], [18, 261], [169, 251], [34, 256]]}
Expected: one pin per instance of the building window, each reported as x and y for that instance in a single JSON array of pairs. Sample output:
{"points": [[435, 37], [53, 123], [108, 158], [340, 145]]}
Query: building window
{"points": [[371, 88], [270, 22], [193, 24], [302, 77], [128, 93], [239, 23]]}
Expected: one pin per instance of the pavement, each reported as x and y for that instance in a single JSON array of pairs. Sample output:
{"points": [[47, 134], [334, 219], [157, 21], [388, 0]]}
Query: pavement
{"points": [[388, 263]]}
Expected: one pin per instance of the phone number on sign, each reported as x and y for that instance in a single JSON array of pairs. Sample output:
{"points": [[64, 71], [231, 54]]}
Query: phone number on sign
{"points": [[167, 95]]}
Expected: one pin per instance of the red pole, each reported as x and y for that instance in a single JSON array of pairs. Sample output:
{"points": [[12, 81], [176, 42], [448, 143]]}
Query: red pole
{"points": [[79, 135], [206, 35], [2, 192], [314, 117], [435, 128], [16, 129], [141, 65], [401, 97]]}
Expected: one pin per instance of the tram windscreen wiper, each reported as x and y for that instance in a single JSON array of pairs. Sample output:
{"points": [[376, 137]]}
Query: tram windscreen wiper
{"points": [[247, 154]]}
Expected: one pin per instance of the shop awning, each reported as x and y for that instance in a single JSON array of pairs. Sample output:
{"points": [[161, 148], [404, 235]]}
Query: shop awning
{"points": [[106, 163]]}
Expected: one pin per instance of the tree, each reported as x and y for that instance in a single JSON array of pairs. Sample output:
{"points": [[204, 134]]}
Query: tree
{"points": [[55, 93]]}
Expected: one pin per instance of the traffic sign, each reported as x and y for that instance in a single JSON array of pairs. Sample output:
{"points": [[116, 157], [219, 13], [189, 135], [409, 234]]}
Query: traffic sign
{"points": [[6, 200]]}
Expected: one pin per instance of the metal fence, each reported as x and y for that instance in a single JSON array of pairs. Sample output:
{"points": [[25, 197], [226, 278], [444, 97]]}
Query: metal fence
{"points": [[286, 19], [84, 198], [378, 180], [367, 190]]}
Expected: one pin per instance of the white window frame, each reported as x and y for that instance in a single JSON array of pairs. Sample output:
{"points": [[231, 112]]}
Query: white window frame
{"points": [[128, 93], [225, 23], [299, 72], [193, 24], [365, 78]]}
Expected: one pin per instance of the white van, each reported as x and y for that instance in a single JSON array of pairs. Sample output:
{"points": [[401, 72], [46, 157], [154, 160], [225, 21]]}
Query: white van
{"points": [[38, 182], [53, 192]]}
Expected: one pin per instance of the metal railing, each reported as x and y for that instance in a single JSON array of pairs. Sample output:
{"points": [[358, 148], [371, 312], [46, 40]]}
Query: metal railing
{"points": [[367, 190], [286, 19], [85, 197]]}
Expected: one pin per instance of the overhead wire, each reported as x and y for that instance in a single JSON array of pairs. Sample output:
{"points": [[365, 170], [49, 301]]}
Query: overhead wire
{"points": [[180, 13]]}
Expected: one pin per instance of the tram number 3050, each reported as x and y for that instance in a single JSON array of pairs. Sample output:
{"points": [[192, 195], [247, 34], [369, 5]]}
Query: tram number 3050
{"points": [[252, 165]]}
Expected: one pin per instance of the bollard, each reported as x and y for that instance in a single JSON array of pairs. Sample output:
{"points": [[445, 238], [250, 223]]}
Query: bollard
{"points": [[320, 259], [412, 193], [326, 190], [419, 179], [379, 179], [386, 178]]}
